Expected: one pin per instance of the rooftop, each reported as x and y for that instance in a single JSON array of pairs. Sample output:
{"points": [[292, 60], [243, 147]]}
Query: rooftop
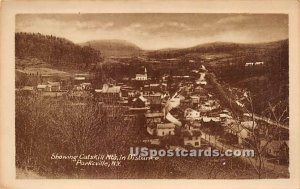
{"points": [[165, 126], [194, 132], [154, 114], [110, 89]]}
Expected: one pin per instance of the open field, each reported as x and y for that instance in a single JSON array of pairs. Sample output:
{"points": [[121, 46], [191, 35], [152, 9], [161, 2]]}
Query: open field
{"points": [[42, 71]]}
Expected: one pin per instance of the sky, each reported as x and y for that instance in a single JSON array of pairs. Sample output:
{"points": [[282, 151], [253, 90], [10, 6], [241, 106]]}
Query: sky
{"points": [[157, 31]]}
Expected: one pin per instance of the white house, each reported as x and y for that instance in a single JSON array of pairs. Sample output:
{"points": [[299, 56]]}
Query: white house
{"points": [[209, 106], [224, 117], [53, 86], [259, 63], [164, 129], [41, 87], [249, 64], [191, 114], [191, 137], [108, 93]]}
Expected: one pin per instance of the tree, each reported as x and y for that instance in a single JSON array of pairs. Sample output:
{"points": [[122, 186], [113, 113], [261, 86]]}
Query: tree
{"points": [[259, 133], [46, 126]]}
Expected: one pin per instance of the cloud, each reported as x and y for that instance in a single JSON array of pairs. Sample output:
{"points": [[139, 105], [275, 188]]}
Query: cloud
{"points": [[87, 25], [233, 19], [152, 31]]}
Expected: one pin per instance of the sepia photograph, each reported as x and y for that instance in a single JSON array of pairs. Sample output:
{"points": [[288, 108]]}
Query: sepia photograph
{"points": [[151, 94], [144, 95]]}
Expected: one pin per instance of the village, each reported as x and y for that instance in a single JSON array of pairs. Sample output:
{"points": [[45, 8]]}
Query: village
{"points": [[180, 111]]}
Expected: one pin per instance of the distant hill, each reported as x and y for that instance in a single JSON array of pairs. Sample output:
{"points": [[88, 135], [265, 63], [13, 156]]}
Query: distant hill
{"points": [[216, 48], [117, 48], [54, 51]]}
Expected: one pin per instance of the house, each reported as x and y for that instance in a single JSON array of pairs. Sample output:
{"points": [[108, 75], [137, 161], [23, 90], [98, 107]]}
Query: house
{"points": [[27, 90], [191, 137], [164, 129], [209, 106], [41, 87], [213, 123], [278, 149], [224, 117], [195, 99], [152, 141], [139, 102], [249, 64], [80, 78], [128, 91], [236, 133], [153, 99], [86, 86], [206, 119], [191, 114], [53, 86], [154, 117], [152, 129], [259, 63], [154, 86], [186, 103], [108, 93], [48, 77]]}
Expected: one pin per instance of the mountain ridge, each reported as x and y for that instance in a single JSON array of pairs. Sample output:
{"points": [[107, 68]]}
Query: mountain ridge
{"points": [[114, 47]]}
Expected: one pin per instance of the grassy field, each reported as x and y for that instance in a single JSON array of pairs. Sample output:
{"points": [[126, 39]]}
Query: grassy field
{"points": [[42, 71]]}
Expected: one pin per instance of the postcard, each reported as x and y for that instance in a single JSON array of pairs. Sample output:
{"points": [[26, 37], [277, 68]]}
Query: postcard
{"points": [[181, 94]]}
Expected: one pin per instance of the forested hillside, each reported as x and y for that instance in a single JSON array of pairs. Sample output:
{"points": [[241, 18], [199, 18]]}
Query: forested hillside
{"points": [[218, 49], [116, 48], [54, 50]]}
